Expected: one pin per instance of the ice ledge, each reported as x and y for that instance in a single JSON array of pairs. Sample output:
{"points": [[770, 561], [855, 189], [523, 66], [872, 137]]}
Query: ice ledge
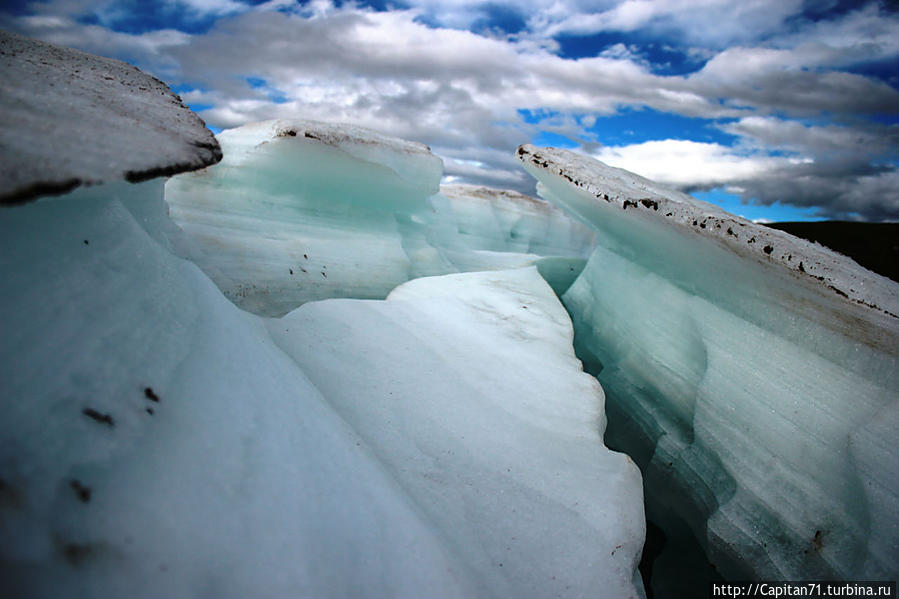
{"points": [[68, 118], [625, 190], [411, 161]]}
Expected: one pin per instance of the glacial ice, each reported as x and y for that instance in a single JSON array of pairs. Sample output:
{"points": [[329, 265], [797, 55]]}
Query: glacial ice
{"points": [[239, 481], [158, 441], [300, 211], [753, 377], [497, 436]]}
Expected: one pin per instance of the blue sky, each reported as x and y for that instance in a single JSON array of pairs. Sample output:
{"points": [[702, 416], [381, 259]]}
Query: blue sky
{"points": [[775, 109]]}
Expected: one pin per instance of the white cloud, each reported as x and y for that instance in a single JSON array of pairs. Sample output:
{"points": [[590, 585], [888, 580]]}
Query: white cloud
{"points": [[838, 190], [687, 164], [146, 48], [865, 34], [463, 170], [717, 23], [766, 133]]}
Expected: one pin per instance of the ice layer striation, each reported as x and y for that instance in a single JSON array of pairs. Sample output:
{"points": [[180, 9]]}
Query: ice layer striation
{"points": [[753, 376], [158, 441], [300, 210]]}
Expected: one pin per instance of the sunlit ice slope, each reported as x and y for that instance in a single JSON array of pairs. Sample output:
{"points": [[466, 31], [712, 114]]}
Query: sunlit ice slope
{"points": [[467, 389], [753, 376], [157, 443], [301, 210]]}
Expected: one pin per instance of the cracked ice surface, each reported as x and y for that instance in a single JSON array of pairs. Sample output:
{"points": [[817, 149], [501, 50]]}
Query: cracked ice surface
{"points": [[752, 375], [299, 211], [158, 441]]}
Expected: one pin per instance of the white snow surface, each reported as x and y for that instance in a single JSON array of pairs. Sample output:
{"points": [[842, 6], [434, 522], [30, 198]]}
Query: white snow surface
{"points": [[300, 211], [68, 118], [760, 402], [158, 441]]}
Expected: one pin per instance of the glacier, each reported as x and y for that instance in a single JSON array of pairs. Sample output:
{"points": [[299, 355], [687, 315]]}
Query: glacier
{"points": [[157, 437], [158, 440], [301, 366], [752, 375], [157, 443], [300, 211]]}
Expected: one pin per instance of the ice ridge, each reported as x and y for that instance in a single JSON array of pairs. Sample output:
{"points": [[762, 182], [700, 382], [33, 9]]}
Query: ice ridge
{"points": [[810, 261], [753, 376]]}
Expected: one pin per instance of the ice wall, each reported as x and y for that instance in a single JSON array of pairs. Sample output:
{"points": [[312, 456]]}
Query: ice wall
{"points": [[473, 226], [300, 210], [157, 441], [753, 376], [297, 213]]}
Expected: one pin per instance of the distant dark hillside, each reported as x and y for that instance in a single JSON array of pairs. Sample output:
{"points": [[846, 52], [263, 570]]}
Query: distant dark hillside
{"points": [[873, 245]]}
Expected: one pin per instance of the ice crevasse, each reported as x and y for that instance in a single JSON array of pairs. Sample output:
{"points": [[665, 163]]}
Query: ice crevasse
{"points": [[157, 440], [753, 376]]}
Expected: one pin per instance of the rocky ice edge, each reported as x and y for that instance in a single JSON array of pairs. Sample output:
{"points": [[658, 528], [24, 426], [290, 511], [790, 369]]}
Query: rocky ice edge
{"points": [[810, 261], [68, 118]]}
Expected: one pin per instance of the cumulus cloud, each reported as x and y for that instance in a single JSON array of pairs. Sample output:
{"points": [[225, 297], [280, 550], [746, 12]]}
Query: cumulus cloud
{"points": [[428, 73], [210, 7], [711, 23], [848, 197], [863, 35], [149, 48], [688, 165], [775, 80], [862, 141], [837, 188]]}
